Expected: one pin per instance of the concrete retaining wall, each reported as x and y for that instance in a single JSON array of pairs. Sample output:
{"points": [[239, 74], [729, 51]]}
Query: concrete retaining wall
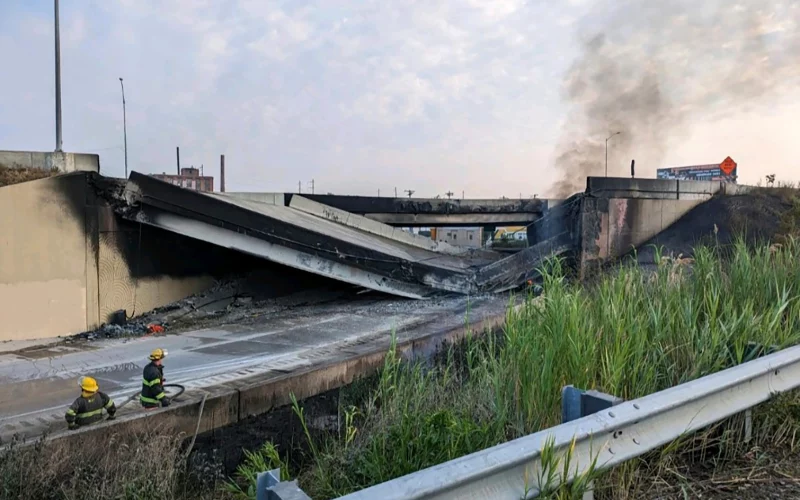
{"points": [[613, 227], [64, 162], [66, 264], [45, 259], [618, 214]]}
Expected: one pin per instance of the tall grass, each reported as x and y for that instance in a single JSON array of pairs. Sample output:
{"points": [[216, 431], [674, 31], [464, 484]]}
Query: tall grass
{"points": [[633, 332], [142, 463]]}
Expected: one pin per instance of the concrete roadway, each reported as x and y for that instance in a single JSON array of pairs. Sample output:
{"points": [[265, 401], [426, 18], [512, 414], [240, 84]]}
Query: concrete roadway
{"points": [[37, 384]]}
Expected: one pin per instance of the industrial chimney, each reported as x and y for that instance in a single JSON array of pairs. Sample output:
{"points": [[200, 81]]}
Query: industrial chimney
{"points": [[222, 173]]}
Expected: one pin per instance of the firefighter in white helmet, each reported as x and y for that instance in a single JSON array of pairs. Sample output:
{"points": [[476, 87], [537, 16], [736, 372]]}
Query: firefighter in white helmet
{"points": [[153, 394], [88, 407]]}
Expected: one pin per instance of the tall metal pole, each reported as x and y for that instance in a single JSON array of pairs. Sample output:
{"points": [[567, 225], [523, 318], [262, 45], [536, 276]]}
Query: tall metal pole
{"points": [[58, 81], [124, 126], [607, 138]]}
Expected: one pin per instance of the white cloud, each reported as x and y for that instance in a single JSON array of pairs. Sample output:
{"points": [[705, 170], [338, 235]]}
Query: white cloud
{"points": [[444, 94]]}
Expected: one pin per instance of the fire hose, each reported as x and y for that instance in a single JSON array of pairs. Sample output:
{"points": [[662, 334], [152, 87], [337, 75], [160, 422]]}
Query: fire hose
{"points": [[180, 388]]}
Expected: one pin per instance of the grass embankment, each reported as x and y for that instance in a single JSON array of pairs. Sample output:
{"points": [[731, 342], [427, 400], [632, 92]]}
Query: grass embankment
{"points": [[15, 175], [631, 333]]}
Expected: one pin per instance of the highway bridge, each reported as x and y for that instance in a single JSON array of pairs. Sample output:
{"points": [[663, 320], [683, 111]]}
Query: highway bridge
{"points": [[427, 212]]}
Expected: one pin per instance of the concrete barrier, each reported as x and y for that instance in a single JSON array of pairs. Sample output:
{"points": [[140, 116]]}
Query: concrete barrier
{"points": [[64, 162], [663, 189]]}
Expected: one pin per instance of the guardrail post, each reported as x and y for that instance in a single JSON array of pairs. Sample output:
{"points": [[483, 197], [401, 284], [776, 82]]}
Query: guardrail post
{"points": [[753, 350], [270, 487], [577, 403]]}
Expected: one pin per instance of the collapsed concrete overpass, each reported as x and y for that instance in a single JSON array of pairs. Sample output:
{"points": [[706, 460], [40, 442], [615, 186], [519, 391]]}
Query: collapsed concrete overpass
{"points": [[87, 246]]}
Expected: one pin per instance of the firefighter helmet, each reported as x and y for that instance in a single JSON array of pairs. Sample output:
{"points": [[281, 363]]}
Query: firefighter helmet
{"points": [[88, 384], [158, 354]]}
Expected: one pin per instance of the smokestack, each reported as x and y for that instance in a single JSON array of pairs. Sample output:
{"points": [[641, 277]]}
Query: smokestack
{"points": [[633, 162], [221, 173], [178, 158]]}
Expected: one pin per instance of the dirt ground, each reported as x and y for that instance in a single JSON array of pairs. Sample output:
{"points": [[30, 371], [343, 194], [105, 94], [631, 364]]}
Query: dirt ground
{"points": [[759, 474]]}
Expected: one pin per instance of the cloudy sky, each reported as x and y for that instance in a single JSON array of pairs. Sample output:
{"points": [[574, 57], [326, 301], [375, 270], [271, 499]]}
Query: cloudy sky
{"points": [[489, 97]]}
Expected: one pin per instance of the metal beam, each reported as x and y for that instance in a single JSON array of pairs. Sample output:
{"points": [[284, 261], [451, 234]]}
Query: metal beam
{"points": [[511, 470]]}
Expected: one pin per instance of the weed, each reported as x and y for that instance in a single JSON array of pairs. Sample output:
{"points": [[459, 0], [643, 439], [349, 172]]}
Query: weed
{"points": [[141, 464], [16, 174], [264, 459]]}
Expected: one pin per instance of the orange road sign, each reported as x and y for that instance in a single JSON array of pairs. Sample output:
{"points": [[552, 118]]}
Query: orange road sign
{"points": [[727, 166]]}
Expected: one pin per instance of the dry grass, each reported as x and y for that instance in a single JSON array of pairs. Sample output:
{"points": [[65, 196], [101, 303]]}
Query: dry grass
{"points": [[15, 175], [139, 464]]}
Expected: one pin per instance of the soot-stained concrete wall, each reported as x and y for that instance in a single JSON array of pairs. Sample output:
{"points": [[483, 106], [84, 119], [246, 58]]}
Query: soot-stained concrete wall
{"points": [[613, 227], [46, 261], [618, 215]]}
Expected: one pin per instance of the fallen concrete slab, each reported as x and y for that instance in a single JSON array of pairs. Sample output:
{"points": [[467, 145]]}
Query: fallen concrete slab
{"points": [[302, 240], [525, 265], [371, 226]]}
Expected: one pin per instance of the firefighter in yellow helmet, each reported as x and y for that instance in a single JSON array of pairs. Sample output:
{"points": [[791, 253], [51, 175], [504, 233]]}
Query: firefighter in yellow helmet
{"points": [[153, 394], [88, 408]]}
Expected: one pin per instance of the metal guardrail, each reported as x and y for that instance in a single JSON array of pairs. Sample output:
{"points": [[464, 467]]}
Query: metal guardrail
{"points": [[270, 487], [612, 436]]}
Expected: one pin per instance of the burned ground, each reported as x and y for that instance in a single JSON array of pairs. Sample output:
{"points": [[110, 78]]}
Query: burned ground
{"points": [[765, 215]]}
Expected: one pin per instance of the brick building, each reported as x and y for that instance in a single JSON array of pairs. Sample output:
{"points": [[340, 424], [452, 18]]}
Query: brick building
{"points": [[190, 178]]}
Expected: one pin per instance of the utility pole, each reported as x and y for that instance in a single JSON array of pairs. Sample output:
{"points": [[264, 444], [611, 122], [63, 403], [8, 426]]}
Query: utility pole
{"points": [[58, 80], [312, 186], [395, 192], [124, 126], [409, 192], [607, 138], [449, 195]]}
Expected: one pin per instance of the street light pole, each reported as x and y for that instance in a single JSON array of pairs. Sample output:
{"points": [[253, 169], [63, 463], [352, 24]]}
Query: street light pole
{"points": [[124, 126], [58, 79], [607, 138]]}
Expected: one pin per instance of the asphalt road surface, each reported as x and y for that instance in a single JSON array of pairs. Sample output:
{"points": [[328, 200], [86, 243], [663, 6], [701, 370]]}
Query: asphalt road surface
{"points": [[38, 384]]}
